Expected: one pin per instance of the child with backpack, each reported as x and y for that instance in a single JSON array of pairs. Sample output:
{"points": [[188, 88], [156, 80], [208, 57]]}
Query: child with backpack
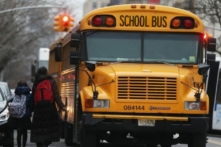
{"points": [[20, 110], [46, 121]]}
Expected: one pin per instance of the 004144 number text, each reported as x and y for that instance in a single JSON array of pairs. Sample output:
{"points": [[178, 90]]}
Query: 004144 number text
{"points": [[131, 107]]}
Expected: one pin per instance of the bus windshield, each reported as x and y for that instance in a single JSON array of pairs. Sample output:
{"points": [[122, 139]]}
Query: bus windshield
{"points": [[143, 47]]}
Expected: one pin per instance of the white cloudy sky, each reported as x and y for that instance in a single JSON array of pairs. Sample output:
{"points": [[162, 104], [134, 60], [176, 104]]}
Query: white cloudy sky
{"points": [[76, 8]]}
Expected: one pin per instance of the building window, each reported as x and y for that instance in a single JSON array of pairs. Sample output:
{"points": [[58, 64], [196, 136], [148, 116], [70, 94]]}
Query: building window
{"points": [[103, 4], [94, 5]]}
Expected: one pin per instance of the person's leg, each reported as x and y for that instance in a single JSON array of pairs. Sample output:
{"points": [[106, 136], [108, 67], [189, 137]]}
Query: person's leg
{"points": [[25, 137], [19, 134], [47, 143], [39, 144]]}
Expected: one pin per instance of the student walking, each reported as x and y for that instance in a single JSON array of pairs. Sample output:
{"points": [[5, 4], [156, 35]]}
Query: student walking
{"points": [[46, 124], [20, 112]]}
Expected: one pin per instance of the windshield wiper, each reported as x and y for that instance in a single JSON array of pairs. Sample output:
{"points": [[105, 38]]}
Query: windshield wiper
{"points": [[91, 33], [163, 62], [123, 60]]}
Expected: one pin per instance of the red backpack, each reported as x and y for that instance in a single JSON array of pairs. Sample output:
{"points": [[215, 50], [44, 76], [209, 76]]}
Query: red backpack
{"points": [[43, 93]]}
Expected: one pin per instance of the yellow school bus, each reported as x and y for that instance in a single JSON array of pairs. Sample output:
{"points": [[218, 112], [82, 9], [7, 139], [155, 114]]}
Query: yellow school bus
{"points": [[135, 74]]}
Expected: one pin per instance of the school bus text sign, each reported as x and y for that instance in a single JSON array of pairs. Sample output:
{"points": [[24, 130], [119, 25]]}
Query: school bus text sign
{"points": [[143, 21]]}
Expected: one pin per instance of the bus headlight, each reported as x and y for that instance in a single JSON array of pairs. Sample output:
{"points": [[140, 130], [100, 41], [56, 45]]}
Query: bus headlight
{"points": [[192, 106], [101, 104]]}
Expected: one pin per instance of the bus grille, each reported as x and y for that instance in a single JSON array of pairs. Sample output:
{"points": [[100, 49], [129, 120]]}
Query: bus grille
{"points": [[151, 88]]}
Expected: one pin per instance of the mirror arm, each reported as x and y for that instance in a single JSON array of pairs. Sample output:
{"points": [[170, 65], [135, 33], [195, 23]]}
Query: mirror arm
{"points": [[93, 88], [197, 95]]}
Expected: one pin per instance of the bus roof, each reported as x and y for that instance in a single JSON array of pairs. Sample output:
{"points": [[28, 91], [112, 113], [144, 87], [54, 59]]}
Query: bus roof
{"points": [[141, 10]]}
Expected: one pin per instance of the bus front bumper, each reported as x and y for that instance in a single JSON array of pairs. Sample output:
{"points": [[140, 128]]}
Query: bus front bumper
{"points": [[115, 122]]}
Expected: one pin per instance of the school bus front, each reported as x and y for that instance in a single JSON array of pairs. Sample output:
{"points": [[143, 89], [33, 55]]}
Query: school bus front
{"points": [[142, 73]]}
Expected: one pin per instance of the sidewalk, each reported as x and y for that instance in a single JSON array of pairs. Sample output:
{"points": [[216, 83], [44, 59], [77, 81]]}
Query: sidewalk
{"points": [[29, 144]]}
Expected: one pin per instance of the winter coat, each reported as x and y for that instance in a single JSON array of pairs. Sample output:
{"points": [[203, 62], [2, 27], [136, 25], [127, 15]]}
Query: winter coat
{"points": [[46, 121], [25, 121]]}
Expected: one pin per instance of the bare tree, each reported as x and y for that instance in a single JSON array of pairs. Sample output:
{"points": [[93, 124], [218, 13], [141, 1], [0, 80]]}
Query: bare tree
{"points": [[22, 33], [210, 11]]}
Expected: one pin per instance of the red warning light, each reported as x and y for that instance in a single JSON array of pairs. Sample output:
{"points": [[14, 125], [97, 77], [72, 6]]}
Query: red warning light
{"points": [[65, 18], [97, 21], [205, 36]]}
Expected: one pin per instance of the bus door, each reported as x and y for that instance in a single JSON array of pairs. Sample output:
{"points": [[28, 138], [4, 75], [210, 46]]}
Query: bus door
{"points": [[214, 92], [67, 93]]}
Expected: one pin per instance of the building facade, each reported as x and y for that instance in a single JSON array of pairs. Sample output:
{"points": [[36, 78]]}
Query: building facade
{"points": [[90, 5]]}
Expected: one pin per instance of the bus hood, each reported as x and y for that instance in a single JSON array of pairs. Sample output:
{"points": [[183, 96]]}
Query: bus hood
{"points": [[160, 73]]}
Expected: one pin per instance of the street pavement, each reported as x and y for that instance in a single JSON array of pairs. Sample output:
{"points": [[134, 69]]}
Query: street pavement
{"points": [[214, 141], [29, 144]]}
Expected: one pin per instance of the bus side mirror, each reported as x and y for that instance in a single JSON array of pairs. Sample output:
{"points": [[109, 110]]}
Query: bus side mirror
{"points": [[203, 68], [58, 52], [91, 65], [75, 40], [211, 44], [74, 57]]}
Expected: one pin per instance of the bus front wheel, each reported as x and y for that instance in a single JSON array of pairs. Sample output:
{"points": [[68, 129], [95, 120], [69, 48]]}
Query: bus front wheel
{"points": [[89, 138], [197, 140]]}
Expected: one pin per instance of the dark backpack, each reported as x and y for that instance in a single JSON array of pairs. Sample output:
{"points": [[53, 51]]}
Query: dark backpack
{"points": [[43, 93], [17, 107]]}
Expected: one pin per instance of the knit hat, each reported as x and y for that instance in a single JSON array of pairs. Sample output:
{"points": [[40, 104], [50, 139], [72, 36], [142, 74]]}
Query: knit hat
{"points": [[42, 71], [22, 83]]}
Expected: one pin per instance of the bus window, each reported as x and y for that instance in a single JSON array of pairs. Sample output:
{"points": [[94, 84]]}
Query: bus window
{"points": [[126, 46], [173, 48], [114, 46]]}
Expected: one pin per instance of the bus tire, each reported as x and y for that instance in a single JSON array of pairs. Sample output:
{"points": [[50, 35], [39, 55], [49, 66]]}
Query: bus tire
{"points": [[89, 138], [197, 140], [68, 134]]}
